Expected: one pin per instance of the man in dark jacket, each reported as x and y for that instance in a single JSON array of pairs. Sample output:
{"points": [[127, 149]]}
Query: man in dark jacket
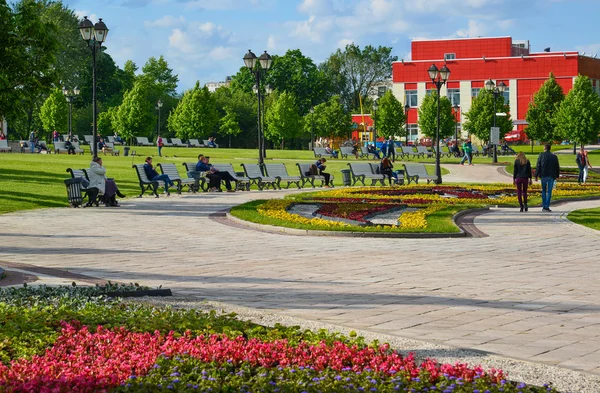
{"points": [[548, 169]]}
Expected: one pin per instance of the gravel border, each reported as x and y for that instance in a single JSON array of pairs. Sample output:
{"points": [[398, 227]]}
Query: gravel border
{"points": [[538, 374]]}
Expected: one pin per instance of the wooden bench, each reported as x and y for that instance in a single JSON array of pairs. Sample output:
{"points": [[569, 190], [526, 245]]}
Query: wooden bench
{"points": [[4, 146], [195, 143], [321, 152], [201, 183], [178, 143], [279, 171], [303, 168], [254, 173], [346, 150], [145, 183], [112, 140], [110, 148], [422, 150], [89, 139], [241, 181], [442, 152], [171, 171], [416, 172], [142, 141], [90, 192], [364, 171], [407, 151], [59, 147], [364, 152]]}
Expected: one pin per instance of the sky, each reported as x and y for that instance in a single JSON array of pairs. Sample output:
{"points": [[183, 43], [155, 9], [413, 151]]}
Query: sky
{"points": [[205, 40]]}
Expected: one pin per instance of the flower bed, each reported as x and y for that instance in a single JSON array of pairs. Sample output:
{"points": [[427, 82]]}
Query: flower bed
{"points": [[147, 349], [352, 209]]}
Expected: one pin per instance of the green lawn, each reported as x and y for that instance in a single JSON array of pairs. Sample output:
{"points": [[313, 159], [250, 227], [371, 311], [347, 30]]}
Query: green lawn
{"points": [[31, 181], [587, 217]]}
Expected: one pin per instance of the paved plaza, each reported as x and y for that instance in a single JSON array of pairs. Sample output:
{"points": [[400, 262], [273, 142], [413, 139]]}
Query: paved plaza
{"points": [[529, 290]]}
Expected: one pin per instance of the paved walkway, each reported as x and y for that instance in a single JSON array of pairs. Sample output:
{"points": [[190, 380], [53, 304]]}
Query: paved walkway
{"points": [[530, 290]]}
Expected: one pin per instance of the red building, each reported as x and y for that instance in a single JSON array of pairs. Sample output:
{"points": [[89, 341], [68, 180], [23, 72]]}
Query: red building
{"points": [[472, 61]]}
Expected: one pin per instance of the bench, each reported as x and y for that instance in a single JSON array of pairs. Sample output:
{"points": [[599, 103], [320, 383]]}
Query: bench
{"points": [[112, 140], [201, 183], [90, 192], [195, 143], [256, 176], [89, 139], [364, 152], [145, 183], [475, 151], [241, 181], [363, 171], [407, 151], [178, 143], [142, 141], [59, 147], [4, 146], [303, 168], [110, 148], [442, 152], [171, 171], [321, 152], [279, 171], [416, 172], [346, 150], [422, 150]]}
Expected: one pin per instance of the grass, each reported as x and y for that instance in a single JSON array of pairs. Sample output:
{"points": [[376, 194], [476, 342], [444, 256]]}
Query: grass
{"points": [[586, 217], [33, 181]]}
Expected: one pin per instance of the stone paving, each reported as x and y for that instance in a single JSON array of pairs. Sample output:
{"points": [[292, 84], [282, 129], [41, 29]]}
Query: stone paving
{"points": [[530, 290]]}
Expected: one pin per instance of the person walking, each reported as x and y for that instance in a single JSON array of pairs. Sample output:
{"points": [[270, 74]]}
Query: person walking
{"points": [[583, 162], [548, 169], [391, 150], [522, 178], [468, 152], [159, 144], [32, 140]]}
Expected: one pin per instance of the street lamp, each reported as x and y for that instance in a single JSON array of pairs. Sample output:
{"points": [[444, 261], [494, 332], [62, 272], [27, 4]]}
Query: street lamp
{"points": [[456, 109], [496, 91], [312, 128], [439, 78], [94, 35], [70, 96], [375, 107], [406, 109], [159, 105], [264, 63]]}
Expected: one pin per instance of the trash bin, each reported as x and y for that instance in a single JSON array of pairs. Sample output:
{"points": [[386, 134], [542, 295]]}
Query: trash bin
{"points": [[74, 191], [126, 151], [346, 180]]}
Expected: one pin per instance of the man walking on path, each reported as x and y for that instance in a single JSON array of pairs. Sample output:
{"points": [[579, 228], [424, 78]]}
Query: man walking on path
{"points": [[548, 169], [468, 150]]}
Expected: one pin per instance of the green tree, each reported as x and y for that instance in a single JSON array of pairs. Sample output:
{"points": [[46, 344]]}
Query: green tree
{"points": [[390, 118], [135, 115], [542, 110], [159, 73], [54, 113], [428, 116], [330, 119], [282, 119], [578, 117], [107, 121], [297, 74], [243, 80], [354, 72], [196, 116], [480, 118], [243, 104], [228, 125]]}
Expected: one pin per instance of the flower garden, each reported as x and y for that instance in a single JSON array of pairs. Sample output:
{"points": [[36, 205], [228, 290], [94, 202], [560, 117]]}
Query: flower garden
{"points": [[418, 208], [72, 340]]}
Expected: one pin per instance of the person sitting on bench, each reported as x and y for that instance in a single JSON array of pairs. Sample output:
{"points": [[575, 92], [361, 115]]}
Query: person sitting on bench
{"points": [[154, 176]]}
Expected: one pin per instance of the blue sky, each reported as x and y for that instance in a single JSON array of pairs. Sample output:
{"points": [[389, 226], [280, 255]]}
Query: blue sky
{"points": [[205, 40]]}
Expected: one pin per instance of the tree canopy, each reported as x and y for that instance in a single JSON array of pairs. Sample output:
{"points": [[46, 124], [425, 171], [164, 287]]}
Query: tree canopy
{"points": [[196, 116], [390, 118], [428, 116], [480, 118], [578, 117], [329, 119], [54, 113], [282, 119], [542, 111]]}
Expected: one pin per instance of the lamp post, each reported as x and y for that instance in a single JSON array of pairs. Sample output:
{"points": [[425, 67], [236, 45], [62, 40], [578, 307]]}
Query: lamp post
{"points": [[94, 35], [264, 63], [70, 96], [375, 107], [439, 78], [456, 109], [159, 105], [312, 128], [406, 109], [496, 91]]}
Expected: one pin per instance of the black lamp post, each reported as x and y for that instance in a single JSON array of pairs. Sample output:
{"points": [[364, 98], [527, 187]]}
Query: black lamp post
{"points": [[159, 105], [70, 96], [496, 91], [94, 35], [456, 109], [312, 128], [264, 63], [439, 78], [406, 109], [375, 107]]}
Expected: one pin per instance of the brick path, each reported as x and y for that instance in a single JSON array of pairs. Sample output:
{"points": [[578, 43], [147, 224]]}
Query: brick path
{"points": [[531, 290]]}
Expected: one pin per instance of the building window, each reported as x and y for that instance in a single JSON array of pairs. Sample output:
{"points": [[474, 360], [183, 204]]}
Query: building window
{"points": [[454, 96], [413, 132], [449, 56], [381, 91], [475, 91], [412, 98], [506, 96]]}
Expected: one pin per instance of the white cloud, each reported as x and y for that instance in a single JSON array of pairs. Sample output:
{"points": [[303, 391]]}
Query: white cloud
{"points": [[81, 13], [271, 43], [222, 53], [343, 42], [165, 22], [181, 41], [475, 29]]}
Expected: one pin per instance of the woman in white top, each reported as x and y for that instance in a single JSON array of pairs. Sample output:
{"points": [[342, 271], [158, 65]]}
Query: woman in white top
{"points": [[107, 187]]}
